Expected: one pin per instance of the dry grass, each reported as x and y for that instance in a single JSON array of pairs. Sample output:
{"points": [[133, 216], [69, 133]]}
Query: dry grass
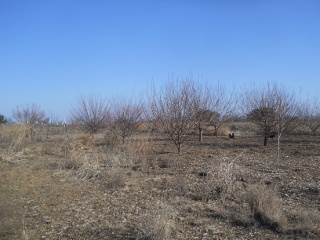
{"points": [[84, 187], [157, 222], [266, 208]]}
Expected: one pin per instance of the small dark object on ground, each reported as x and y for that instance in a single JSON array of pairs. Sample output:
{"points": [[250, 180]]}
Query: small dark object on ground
{"points": [[272, 135]]}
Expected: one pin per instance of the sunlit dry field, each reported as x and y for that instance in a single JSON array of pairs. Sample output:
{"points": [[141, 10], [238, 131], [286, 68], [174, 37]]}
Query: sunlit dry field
{"points": [[62, 184]]}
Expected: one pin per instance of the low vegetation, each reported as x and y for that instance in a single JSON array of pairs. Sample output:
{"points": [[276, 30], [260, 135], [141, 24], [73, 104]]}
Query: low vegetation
{"points": [[71, 185]]}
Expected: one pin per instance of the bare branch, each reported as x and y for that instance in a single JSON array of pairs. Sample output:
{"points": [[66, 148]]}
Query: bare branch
{"points": [[175, 108], [90, 113], [126, 113], [29, 114]]}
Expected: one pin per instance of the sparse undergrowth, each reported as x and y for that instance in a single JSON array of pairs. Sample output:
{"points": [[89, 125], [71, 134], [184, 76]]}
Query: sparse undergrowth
{"points": [[74, 186]]}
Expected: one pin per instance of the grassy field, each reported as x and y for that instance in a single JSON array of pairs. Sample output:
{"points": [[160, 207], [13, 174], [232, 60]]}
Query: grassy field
{"points": [[65, 185]]}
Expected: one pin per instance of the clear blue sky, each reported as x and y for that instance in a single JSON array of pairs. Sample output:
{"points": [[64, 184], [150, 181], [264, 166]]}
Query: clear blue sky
{"points": [[53, 51]]}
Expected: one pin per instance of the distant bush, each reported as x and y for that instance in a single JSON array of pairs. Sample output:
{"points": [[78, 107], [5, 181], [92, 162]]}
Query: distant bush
{"points": [[3, 120]]}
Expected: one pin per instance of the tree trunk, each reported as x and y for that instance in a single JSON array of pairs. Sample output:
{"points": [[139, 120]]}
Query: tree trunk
{"points": [[215, 131], [278, 158], [265, 140], [200, 134]]}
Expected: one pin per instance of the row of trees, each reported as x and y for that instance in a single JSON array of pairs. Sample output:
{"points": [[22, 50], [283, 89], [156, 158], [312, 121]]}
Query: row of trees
{"points": [[183, 106]]}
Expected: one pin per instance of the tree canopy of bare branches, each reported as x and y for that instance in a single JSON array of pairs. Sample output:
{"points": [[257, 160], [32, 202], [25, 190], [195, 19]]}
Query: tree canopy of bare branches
{"points": [[175, 109], [91, 113], [272, 109], [311, 114], [30, 114], [126, 113], [222, 105]]}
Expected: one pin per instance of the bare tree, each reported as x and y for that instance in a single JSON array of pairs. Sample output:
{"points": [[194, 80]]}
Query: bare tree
{"points": [[221, 104], [126, 113], [216, 106], [273, 108], [311, 115], [33, 116], [266, 120], [204, 117], [30, 114], [175, 109], [90, 113]]}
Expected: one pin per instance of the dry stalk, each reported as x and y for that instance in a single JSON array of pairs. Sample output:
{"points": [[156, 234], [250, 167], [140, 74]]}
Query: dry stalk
{"points": [[226, 177], [24, 228]]}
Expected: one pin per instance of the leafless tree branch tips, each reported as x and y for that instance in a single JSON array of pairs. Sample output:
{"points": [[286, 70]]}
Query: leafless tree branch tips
{"points": [[126, 113], [91, 113], [311, 114], [274, 109], [175, 108], [30, 114]]}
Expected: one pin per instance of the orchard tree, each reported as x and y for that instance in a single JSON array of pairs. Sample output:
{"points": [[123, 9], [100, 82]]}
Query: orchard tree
{"points": [[266, 120], [125, 114], [30, 114], [222, 105], [205, 117], [90, 113], [311, 114], [273, 107], [175, 108]]}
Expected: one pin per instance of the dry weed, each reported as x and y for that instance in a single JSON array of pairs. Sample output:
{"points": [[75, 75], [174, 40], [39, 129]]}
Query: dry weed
{"points": [[82, 162], [112, 139], [79, 156], [266, 207], [16, 140], [305, 221], [116, 179], [140, 145], [158, 222], [226, 176]]}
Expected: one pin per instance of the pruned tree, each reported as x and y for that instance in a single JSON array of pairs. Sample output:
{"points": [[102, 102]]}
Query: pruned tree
{"points": [[222, 105], [217, 105], [265, 118], [273, 108], [201, 101], [311, 114], [206, 117], [126, 113], [175, 109], [91, 113]]}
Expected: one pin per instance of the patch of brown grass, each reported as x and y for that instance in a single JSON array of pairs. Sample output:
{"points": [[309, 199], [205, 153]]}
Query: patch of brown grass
{"points": [[266, 207], [157, 222]]}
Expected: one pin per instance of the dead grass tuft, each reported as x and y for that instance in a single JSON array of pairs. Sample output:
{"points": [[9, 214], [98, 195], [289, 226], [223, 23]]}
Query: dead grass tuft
{"points": [[304, 221], [157, 222], [112, 140], [266, 207]]}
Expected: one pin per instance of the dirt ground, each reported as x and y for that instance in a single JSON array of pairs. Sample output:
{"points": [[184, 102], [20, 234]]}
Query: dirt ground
{"points": [[70, 186]]}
